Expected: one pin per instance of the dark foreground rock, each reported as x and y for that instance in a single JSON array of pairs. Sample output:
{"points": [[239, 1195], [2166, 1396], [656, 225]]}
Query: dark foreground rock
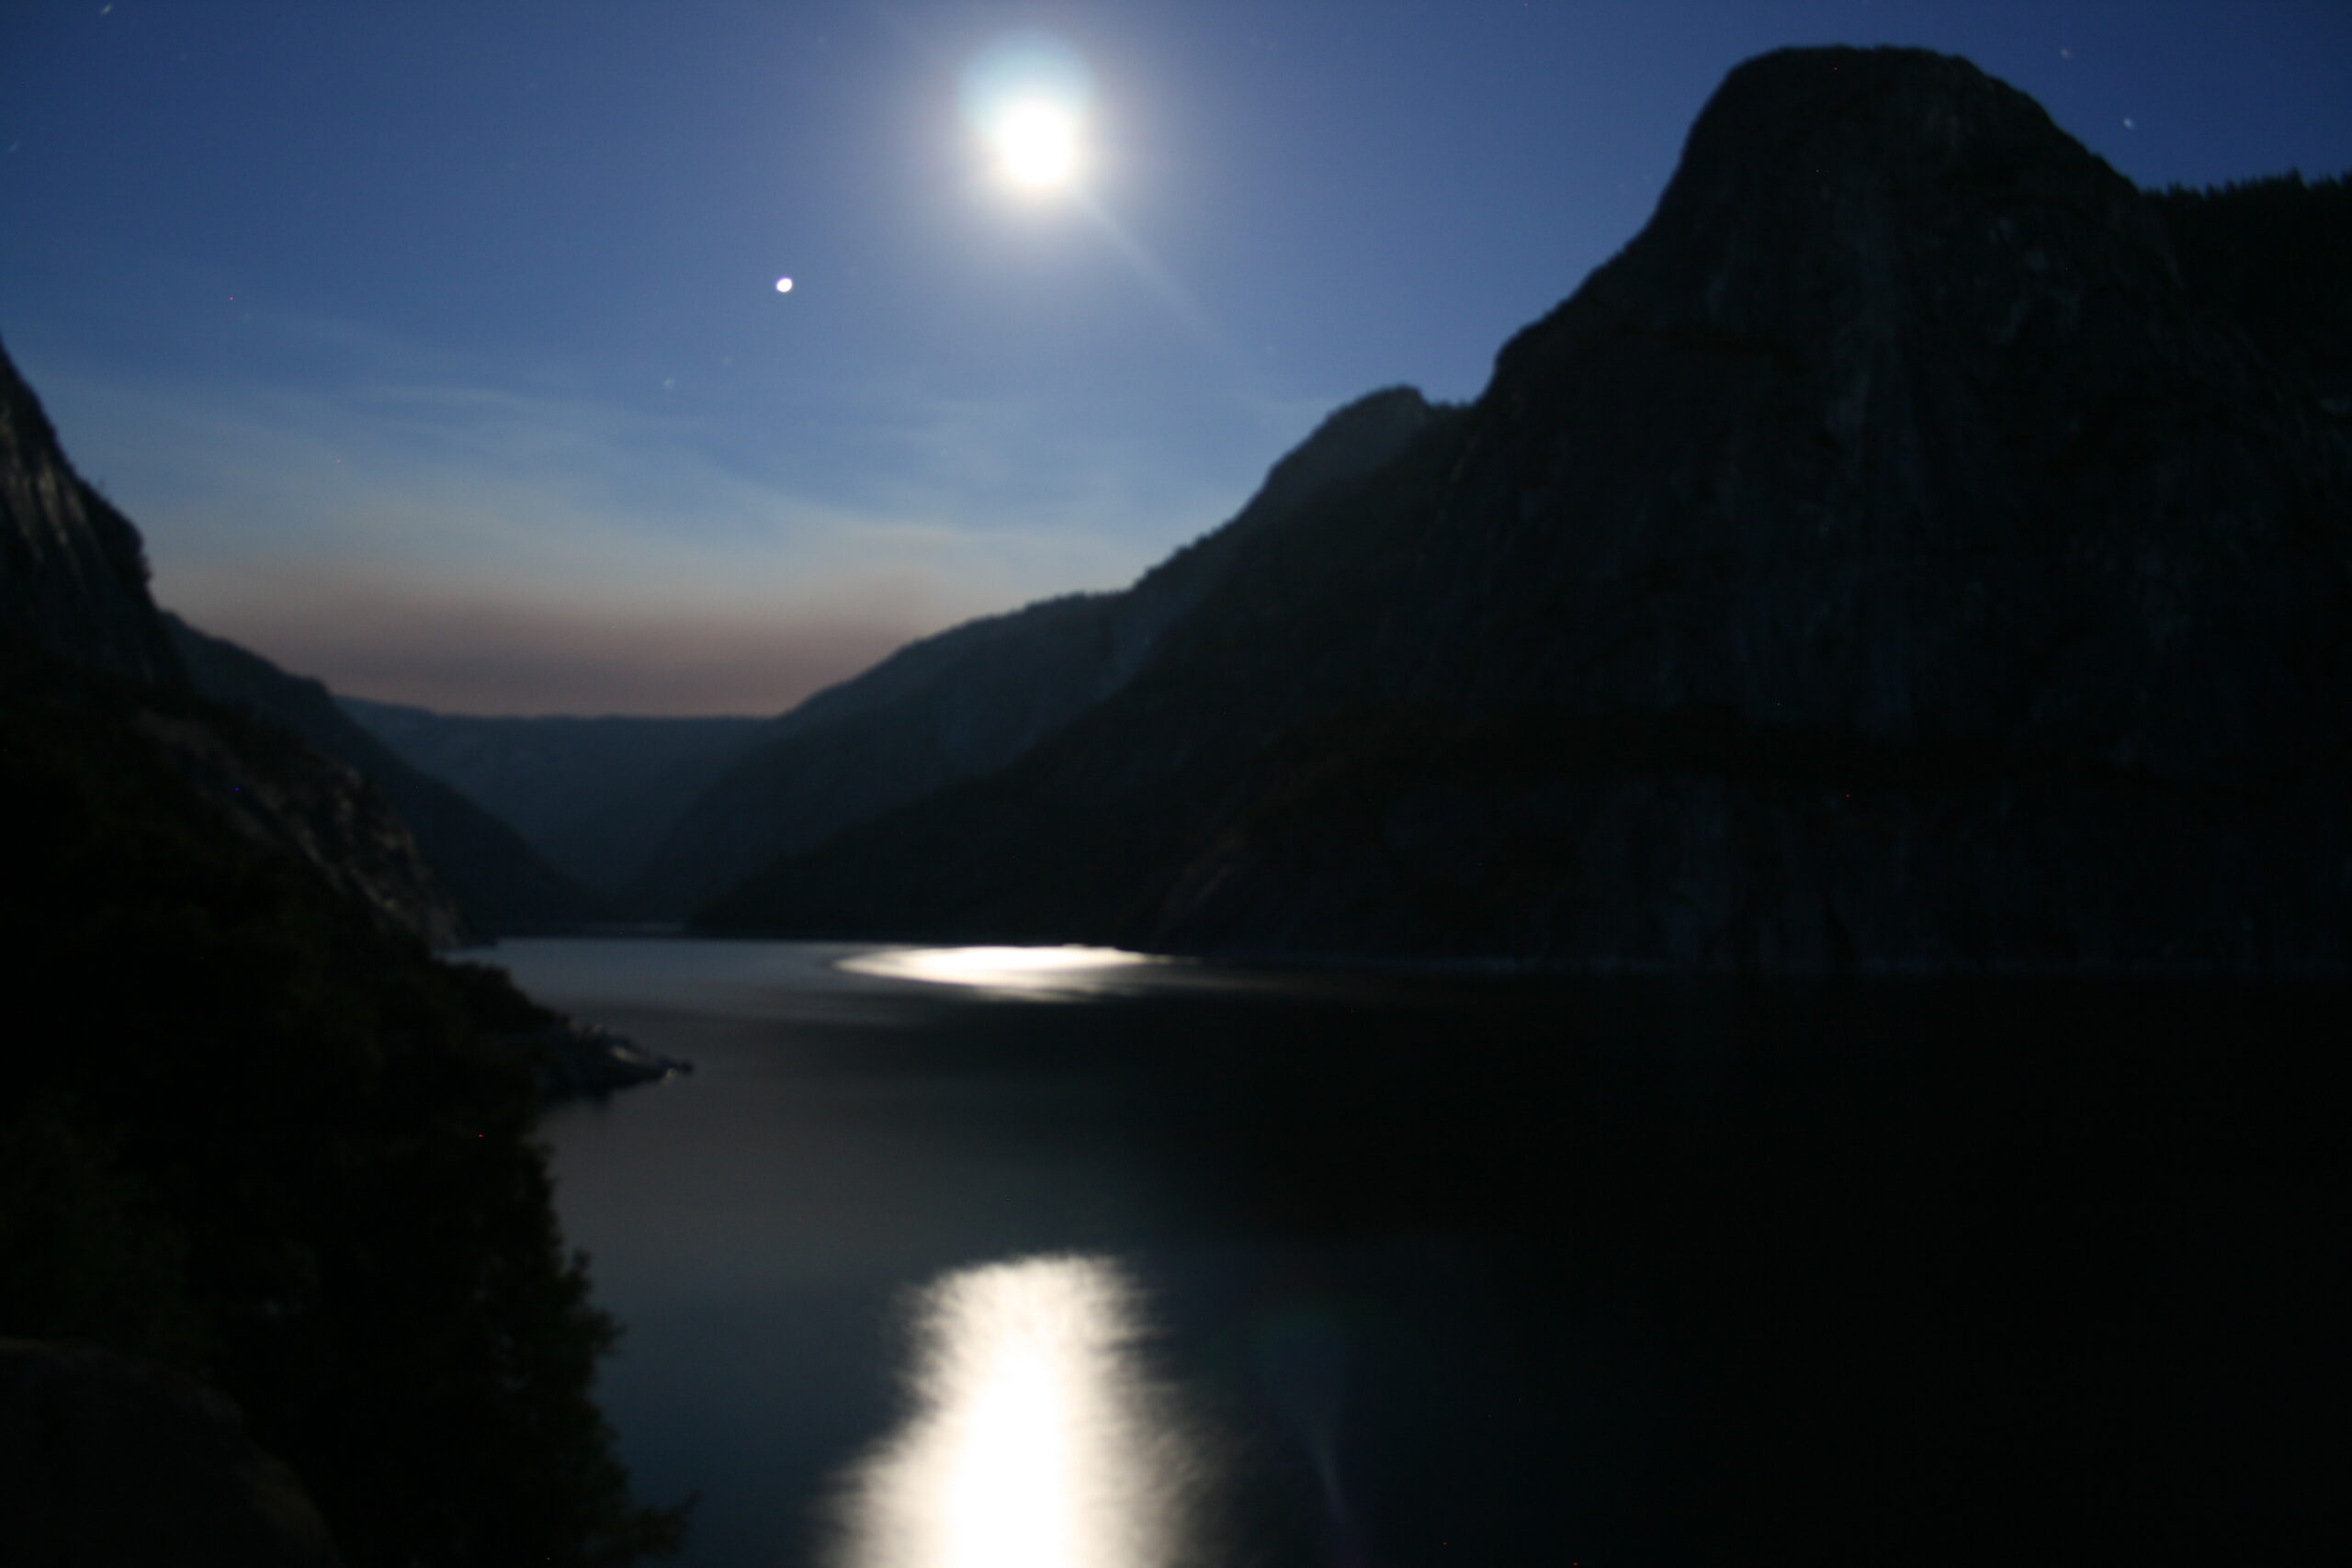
{"points": [[105, 1461], [264, 1137]]}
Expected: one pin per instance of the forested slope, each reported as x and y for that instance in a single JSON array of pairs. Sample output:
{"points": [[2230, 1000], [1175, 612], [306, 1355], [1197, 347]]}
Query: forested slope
{"points": [[250, 1130]]}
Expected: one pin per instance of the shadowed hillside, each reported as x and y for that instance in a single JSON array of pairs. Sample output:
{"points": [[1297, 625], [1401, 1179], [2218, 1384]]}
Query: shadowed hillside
{"points": [[255, 1139], [2272, 256], [73, 570], [501, 884], [593, 796], [973, 698], [1895, 559]]}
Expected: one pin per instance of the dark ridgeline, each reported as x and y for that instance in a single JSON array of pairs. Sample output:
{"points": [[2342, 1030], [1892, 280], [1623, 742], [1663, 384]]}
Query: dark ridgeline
{"points": [[73, 570], [80, 625], [973, 699], [250, 1132], [593, 796], [1911, 553], [500, 884], [2271, 254]]}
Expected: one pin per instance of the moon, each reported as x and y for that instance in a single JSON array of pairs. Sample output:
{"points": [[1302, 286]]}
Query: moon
{"points": [[783, 286], [1026, 97], [1036, 143]]}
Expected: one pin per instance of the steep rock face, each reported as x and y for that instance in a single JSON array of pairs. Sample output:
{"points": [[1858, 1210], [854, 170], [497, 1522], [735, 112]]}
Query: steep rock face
{"points": [[248, 1124], [2272, 256], [1885, 562], [1897, 419], [501, 885], [73, 574], [280, 796], [77, 623], [973, 698]]}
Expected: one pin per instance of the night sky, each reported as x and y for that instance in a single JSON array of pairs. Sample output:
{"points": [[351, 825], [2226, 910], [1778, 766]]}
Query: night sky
{"points": [[439, 349]]}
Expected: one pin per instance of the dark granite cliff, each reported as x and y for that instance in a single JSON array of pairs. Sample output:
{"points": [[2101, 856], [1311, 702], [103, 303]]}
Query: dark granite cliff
{"points": [[2272, 256], [500, 885], [1890, 562], [73, 571], [253, 1134], [973, 698], [74, 601]]}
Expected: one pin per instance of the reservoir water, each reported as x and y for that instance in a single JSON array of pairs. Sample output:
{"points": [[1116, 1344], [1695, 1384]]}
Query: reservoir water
{"points": [[1055, 1259]]}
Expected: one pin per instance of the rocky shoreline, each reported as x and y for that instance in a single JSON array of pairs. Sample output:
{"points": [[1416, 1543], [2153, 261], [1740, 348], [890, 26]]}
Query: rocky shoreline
{"points": [[577, 1061]]}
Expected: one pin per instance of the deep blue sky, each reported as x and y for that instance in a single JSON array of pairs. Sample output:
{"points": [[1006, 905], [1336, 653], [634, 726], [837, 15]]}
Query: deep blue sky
{"points": [[437, 351]]}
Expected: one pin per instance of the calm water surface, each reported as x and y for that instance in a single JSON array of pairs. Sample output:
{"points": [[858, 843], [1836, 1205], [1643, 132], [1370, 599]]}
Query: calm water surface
{"points": [[1049, 1258]]}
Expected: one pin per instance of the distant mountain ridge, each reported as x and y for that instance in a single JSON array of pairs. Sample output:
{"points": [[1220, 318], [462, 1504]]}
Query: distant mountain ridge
{"points": [[1892, 560], [973, 698], [593, 796]]}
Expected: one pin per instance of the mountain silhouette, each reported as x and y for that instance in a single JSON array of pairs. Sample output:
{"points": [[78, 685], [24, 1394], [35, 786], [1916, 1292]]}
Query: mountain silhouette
{"points": [[1892, 560], [973, 698], [595, 795], [279, 1268], [81, 630], [73, 570]]}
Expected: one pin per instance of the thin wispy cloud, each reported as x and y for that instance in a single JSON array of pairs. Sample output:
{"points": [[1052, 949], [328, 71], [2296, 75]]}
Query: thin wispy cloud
{"points": [[461, 543]]}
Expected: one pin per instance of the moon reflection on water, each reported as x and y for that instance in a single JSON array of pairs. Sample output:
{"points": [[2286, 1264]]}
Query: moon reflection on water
{"points": [[1009, 971], [1036, 1439]]}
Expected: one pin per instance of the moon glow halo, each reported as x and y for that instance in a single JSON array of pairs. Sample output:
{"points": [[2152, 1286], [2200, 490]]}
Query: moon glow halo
{"points": [[1026, 96]]}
